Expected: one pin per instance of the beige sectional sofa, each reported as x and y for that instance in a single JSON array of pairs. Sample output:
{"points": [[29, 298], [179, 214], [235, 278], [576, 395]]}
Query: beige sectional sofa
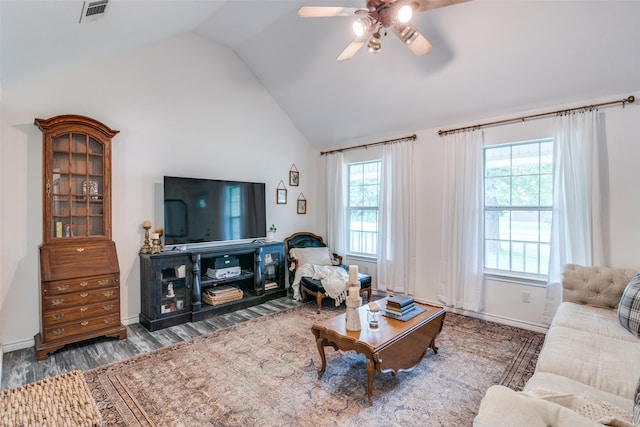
{"points": [[588, 370]]}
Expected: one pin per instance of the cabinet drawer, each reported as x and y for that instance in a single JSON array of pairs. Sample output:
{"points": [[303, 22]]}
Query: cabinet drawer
{"points": [[60, 287], [80, 327], [84, 312], [61, 302]]}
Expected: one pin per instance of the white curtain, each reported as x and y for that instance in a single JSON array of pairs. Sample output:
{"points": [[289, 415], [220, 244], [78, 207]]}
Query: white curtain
{"points": [[336, 203], [580, 202], [396, 236], [461, 276]]}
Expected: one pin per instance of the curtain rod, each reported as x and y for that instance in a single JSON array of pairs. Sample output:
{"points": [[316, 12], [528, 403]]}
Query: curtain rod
{"points": [[629, 100], [388, 141]]}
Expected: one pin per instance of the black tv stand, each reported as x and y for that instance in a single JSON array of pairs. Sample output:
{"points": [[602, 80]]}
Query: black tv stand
{"points": [[172, 283]]}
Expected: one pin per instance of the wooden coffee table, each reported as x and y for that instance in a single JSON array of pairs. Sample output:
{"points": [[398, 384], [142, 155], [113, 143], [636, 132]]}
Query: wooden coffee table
{"points": [[396, 347]]}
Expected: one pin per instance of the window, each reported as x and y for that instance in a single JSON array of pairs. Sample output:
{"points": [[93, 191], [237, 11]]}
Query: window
{"points": [[364, 194], [518, 197]]}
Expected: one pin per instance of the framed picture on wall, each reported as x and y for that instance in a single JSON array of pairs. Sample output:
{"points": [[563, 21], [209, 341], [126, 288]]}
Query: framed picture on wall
{"points": [[302, 206], [281, 196], [294, 178]]}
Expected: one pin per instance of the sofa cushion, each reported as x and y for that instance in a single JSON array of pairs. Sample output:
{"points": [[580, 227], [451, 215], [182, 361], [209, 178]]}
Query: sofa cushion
{"points": [[591, 359], [601, 321], [504, 407], [586, 404], [636, 405], [312, 256], [629, 307], [546, 380], [596, 286]]}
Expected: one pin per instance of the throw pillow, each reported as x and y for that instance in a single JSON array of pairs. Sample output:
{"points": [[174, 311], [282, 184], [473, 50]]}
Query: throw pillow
{"points": [[629, 307], [313, 256]]}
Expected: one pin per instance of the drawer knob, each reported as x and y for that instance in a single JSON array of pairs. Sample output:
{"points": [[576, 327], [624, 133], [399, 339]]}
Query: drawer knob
{"points": [[107, 321], [80, 249], [83, 309], [62, 288], [83, 284], [85, 323], [57, 317], [57, 332], [103, 282], [84, 294], [108, 293], [57, 302], [107, 307]]}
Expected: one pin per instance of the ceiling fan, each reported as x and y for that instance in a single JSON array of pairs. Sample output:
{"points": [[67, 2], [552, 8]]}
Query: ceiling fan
{"points": [[378, 16]]}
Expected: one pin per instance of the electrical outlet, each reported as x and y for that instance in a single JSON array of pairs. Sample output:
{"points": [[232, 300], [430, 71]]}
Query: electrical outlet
{"points": [[526, 296]]}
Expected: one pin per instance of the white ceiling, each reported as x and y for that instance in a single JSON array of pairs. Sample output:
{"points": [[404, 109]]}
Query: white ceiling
{"points": [[489, 57]]}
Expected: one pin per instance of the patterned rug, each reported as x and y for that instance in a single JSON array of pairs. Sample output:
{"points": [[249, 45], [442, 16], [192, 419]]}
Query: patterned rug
{"points": [[61, 401], [263, 372]]}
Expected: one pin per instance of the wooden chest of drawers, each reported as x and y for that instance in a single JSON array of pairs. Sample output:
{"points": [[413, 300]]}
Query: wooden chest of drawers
{"points": [[80, 294]]}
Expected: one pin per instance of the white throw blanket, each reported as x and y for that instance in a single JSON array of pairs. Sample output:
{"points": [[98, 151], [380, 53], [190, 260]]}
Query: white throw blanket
{"points": [[334, 280]]}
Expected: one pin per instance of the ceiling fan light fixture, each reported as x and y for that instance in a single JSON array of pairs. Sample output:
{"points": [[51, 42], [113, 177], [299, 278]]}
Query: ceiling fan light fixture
{"points": [[375, 44], [408, 34], [361, 26], [405, 13]]}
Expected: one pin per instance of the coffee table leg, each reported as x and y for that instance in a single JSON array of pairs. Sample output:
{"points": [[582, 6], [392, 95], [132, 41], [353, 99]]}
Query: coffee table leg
{"points": [[433, 346], [370, 372], [320, 343]]}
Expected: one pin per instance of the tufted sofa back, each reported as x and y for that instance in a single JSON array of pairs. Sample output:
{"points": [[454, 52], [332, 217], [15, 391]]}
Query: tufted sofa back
{"points": [[594, 286]]}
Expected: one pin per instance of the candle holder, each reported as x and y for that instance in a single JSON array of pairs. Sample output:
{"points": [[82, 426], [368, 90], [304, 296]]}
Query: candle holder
{"points": [[156, 246], [160, 232], [146, 248], [353, 316]]}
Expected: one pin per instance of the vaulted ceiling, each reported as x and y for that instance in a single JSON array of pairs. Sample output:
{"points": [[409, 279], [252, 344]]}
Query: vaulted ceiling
{"points": [[489, 57]]}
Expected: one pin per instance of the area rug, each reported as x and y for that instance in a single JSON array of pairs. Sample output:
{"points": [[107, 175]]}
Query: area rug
{"points": [[62, 401], [263, 372]]}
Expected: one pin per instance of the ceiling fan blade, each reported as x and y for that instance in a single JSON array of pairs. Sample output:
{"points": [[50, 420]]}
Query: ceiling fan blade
{"points": [[326, 11], [413, 39], [435, 4], [420, 46], [352, 48]]}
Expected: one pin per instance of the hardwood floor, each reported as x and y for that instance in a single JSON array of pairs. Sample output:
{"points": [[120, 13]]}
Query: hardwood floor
{"points": [[21, 367]]}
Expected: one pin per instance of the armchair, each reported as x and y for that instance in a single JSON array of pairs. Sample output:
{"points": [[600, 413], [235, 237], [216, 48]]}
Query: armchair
{"points": [[308, 285]]}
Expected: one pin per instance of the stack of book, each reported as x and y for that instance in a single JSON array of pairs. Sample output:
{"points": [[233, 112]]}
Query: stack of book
{"points": [[398, 306]]}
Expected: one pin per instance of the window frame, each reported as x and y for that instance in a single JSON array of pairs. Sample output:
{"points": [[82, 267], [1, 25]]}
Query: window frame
{"points": [[539, 278], [349, 208]]}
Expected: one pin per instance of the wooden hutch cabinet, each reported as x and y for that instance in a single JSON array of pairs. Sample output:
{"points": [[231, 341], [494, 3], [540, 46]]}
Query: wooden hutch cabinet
{"points": [[79, 272]]}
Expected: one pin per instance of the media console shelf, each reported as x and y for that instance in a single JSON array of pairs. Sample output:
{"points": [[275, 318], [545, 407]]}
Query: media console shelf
{"points": [[172, 283]]}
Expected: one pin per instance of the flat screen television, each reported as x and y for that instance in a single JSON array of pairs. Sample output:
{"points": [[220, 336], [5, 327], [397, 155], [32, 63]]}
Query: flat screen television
{"points": [[205, 210]]}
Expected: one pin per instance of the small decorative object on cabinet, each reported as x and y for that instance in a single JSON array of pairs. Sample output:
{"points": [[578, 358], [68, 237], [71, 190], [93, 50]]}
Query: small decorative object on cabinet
{"points": [[192, 285], [79, 272]]}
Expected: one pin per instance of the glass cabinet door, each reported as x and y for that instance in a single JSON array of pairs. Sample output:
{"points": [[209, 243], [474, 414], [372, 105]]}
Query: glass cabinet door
{"points": [[173, 289], [273, 270], [77, 186]]}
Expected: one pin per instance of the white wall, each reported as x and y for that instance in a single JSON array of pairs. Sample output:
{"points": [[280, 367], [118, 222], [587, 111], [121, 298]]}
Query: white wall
{"points": [[184, 107], [503, 300]]}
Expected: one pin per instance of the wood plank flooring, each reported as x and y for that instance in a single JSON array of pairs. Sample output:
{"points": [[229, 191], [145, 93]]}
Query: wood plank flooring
{"points": [[21, 366]]}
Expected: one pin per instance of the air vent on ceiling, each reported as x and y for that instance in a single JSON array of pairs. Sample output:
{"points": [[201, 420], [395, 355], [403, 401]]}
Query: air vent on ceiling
{"points": [[93, 10]]}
